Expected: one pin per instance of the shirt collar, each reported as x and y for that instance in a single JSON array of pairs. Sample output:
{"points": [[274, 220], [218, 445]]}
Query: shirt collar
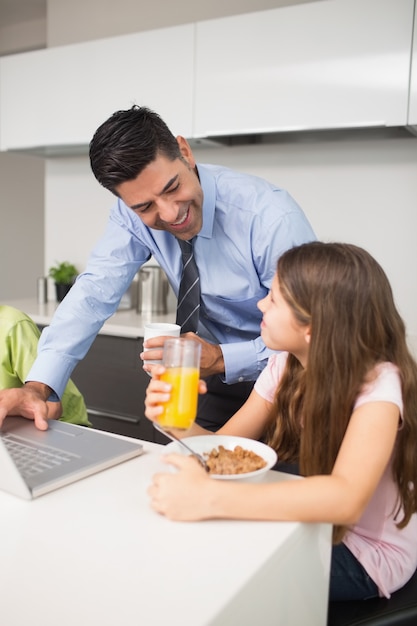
{"points": [[209, 200]]}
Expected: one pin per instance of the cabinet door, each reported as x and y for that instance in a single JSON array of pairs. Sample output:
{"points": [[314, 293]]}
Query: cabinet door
{"points": [[412, 118], [334, 64], [113, 383], [59, 96]]}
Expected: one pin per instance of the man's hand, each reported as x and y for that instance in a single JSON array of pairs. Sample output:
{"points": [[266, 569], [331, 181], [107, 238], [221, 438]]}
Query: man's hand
{"points": [[28, 401], [211, 361]]}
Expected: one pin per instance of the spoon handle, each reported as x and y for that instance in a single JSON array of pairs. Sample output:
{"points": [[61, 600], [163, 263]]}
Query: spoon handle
{"points": [[173, 437]]}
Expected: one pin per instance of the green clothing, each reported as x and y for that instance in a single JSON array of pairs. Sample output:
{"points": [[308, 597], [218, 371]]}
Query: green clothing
{"points": [[19, 337]]}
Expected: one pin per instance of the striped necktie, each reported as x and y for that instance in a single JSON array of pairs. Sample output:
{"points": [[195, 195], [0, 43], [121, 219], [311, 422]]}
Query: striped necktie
{"points": [[188, 306]]}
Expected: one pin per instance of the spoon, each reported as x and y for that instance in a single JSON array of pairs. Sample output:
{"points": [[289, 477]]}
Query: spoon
{"points": [[171, 435]]}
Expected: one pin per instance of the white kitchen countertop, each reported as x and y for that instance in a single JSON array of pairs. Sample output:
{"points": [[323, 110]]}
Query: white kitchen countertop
{"points": [[94, 552], [124, 323]]}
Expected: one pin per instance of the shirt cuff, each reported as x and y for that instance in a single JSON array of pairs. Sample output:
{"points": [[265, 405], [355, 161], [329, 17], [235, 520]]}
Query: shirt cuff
{"points": [[243, 361], [52, 370]]}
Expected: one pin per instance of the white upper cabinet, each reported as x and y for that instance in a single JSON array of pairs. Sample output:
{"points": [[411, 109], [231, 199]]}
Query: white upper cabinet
{"points": [[320, 65], [59, 96], [412, 116], [329, 64]]}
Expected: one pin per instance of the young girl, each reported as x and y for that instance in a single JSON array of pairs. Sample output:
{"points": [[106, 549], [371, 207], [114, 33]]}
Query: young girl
{"points": [[341, 400]]}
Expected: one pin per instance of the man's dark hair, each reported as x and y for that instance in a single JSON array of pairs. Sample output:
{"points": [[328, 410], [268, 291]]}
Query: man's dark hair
{"points": [[126, 143]]}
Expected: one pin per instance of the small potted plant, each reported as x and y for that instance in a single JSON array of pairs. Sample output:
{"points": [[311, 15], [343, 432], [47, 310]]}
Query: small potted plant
{"points": [[64, 275]]}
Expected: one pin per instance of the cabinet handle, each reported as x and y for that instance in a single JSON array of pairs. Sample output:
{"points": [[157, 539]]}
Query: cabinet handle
{"points": [[114, 416]]}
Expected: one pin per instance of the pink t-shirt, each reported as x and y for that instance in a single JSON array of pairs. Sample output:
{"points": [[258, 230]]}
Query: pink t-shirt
{"points": [[389, 555]]}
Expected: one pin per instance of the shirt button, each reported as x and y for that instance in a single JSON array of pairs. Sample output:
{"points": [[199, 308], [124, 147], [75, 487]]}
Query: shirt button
{"points": [[241, 379]]}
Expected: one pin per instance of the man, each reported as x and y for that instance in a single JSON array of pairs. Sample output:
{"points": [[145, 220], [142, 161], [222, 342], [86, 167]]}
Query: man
{"points": [[239, 225]]}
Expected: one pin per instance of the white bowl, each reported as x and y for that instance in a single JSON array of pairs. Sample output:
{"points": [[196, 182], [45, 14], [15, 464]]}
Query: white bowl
{"points": [[204, 444]]}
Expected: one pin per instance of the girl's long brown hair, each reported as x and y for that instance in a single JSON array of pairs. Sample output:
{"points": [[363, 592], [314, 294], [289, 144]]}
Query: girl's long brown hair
{"points": [[345, 297]]}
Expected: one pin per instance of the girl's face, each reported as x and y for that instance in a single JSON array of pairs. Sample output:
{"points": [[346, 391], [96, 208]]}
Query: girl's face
{"points": [[279, 328]]}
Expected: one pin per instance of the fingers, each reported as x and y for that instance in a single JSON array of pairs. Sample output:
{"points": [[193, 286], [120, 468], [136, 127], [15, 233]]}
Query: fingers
{"points": [[155, 492], [153, 412], [158, 387], [149, 367], [161, 481], [156, 342], [40, 422], [176, 494], [157, 394], [183, 462], [154, 349], [157, 370], [154, 370], [151, 355], [26, 401]]}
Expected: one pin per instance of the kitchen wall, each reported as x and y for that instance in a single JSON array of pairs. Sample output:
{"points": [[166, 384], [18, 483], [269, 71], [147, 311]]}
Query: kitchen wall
{"points": [[21, 224], [22, 185], [357, 187]]}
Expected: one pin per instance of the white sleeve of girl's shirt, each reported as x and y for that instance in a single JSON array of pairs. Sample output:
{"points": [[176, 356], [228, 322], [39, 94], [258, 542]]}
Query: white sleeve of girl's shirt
{"points": [[386, 387], [267, 383]]}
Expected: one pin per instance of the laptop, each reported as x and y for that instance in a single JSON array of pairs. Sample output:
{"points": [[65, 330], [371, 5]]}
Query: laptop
{"points": [[34, 462]]}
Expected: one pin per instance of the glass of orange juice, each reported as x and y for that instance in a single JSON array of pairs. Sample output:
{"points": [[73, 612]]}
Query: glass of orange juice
{"points": [[181, 358]]}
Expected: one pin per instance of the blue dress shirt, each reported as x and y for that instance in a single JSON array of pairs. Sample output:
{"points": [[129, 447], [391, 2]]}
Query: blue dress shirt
{"points": [[247, 224]]}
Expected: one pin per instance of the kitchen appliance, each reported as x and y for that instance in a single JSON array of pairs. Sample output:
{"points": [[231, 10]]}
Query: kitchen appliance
{"points": [[129, 299], [152, 290]]}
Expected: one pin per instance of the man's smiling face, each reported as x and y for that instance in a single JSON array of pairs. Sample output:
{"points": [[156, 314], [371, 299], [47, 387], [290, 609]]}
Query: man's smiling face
{"points": [[167, 195]]}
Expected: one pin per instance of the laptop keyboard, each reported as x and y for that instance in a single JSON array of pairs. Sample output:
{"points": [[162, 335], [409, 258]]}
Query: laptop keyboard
{"points": [[31, 460]]}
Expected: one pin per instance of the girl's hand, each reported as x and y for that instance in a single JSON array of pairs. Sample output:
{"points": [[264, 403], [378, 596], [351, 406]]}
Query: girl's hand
{"points": [[158, 392], [182, 496]]}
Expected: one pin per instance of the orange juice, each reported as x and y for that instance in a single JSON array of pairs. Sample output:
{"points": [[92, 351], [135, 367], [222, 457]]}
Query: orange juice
{"points": [[181, 410]]}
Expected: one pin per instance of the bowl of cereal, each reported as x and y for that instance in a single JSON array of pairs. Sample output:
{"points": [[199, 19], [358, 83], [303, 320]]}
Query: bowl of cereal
{"points": [[230, 458]]}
